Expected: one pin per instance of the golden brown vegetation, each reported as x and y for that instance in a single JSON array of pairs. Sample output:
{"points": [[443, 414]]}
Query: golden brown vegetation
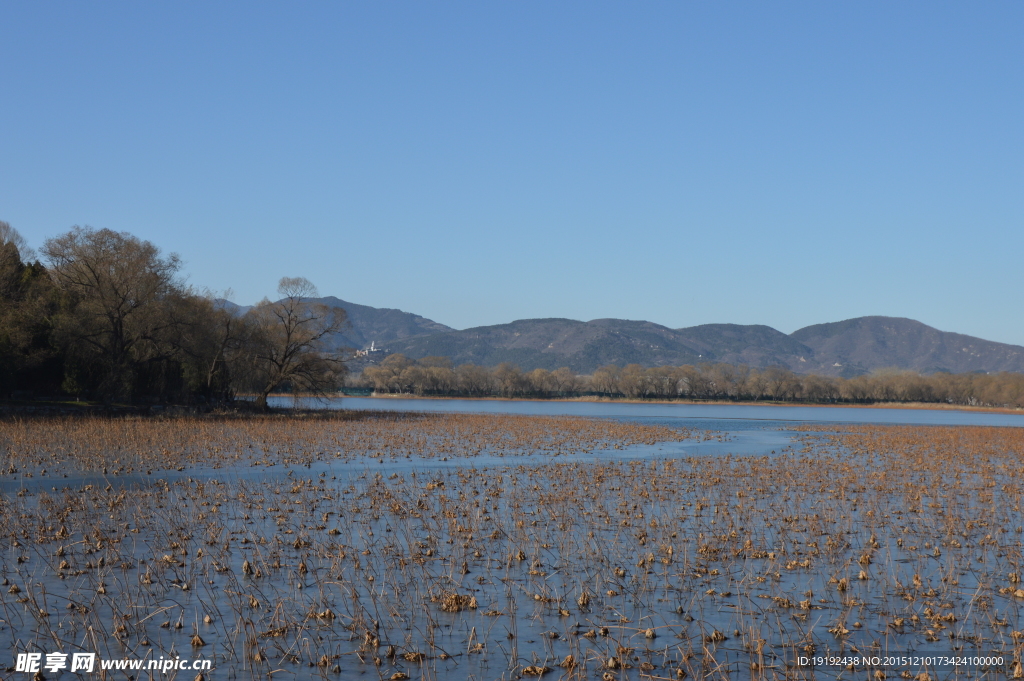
{"points": [[864, 540], [132, 444]]}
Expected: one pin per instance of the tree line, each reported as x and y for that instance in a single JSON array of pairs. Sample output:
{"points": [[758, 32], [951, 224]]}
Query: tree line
{"points": [[437, 376], [104, 316]]}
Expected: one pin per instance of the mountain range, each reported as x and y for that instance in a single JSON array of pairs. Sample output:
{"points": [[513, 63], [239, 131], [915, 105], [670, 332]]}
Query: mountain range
{"points": [[366, 324], [847, 348]]}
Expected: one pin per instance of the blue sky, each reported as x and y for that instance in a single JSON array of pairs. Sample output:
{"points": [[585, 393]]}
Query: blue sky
{"points": [[773, 163]]}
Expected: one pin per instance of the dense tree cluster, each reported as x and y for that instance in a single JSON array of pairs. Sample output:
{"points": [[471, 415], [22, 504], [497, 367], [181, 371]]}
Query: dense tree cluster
{"points": [[104, 316], [437, 376]]}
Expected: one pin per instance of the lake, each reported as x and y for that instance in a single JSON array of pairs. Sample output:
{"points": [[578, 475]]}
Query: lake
{"points": [[724, 413]]}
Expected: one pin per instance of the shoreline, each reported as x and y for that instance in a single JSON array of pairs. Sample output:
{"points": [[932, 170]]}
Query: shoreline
{"points": [[56, 407], [762, 403]]}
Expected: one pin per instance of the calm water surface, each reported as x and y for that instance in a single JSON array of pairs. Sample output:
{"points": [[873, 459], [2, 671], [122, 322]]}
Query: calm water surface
{"points": [[725, 414]]}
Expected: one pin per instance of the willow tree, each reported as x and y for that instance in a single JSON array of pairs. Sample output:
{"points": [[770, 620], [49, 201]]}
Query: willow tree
{"points": [[292, 343]]}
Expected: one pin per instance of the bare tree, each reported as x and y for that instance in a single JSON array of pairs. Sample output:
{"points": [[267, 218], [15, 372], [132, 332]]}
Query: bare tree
{"points": [[729, 380], [606, 379], [818, 388], [757, 384], [436, 375], [118, 292], [564, 381], [13, 244], [633, 381], [291, 342], [539, 381], [473, 380], [214, 344], [664, 381], [781, 383], [510, 380], [391, 375]]}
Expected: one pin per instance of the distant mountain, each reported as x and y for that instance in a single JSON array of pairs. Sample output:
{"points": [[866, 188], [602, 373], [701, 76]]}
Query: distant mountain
{"points": [[367, 324], [754, 345], [233, 308], [867, 343], [380, 324], [847, 348], [553, 343], [584, 346]]}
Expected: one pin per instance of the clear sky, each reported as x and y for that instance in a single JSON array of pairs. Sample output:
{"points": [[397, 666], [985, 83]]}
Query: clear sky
{"points": [[686, 162]]}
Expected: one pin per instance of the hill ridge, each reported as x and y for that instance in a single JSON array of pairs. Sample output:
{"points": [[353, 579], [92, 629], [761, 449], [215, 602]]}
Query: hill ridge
{"points": [[846, 348]]}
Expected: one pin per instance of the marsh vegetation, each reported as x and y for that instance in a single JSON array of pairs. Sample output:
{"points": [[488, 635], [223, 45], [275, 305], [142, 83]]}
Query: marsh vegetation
{"points": [[456, 546]]}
